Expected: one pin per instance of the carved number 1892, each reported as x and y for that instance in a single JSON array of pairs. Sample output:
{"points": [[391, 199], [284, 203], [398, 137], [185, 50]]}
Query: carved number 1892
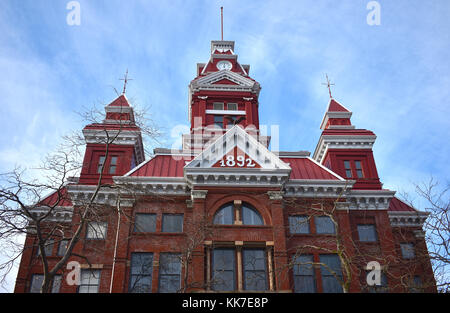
{"points": [[240, 161]]}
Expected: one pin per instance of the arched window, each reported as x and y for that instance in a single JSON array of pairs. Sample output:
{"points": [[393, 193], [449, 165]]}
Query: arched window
{"points": [[250, 216], [227, 213]]}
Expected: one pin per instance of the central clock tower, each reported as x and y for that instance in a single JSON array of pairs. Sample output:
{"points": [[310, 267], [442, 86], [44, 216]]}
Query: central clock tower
{"points": [[221, 96]]}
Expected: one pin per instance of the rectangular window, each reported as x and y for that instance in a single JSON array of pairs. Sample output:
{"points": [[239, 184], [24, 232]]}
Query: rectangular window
{"points": [[255, 271], [56, 283], [96, 230], [141, 272], [101, 161], [145, 223], [38, 279], [89, 281], [298, 224], [330, 269], [218, 106], [303, 270], [415, 285], [62, 247], [367, 233], [324, 225], [223, 265], [348, 169], [36, 283], [169, 272], [218, 120], [359, 171], [113, 165], [407, 250], [232, 106], [48, 248], [172, 223]]}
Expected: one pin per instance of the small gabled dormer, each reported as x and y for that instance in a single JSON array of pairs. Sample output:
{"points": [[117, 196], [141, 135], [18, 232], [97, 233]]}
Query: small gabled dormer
{"points": [[346, 150], [114, 146]]}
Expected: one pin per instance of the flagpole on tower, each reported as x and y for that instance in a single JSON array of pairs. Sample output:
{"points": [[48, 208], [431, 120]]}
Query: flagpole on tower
{"points": [[221, 21]]}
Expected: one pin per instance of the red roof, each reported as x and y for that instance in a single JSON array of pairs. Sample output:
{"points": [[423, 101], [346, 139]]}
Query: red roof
{"points": [[120, 101], [304, 168], [398, 205], [163, 166], [335, 106], [60, 200]]}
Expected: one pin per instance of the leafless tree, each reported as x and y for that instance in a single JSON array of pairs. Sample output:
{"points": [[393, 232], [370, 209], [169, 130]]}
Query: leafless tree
{"points": [[36, 207], [436, 197]]}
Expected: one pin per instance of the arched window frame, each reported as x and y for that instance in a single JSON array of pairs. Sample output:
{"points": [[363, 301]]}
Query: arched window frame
{"points": [[239, 210]]}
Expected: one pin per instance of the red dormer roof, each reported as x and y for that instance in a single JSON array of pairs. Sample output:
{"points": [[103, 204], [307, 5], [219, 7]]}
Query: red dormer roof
{"points": [[162, 166], [335, 106], [60, 200], [120, 101], [398, 205], [305, 168]]}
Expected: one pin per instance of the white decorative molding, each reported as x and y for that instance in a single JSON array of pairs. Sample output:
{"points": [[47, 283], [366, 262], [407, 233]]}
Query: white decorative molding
{"points": [[318, 188], [225, 112], [275, 195], [349, 141], [207, 83], [146, 186], [407, 218], [369, 199], [82, 194], [60, 214], [198, 194]]}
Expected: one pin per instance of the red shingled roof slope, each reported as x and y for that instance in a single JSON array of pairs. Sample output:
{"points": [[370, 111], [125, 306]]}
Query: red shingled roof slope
{"points": [[398, 205]]}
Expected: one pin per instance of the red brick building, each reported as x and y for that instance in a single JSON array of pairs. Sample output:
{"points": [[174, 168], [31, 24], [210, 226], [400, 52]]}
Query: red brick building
{"points": [[227, 214]]}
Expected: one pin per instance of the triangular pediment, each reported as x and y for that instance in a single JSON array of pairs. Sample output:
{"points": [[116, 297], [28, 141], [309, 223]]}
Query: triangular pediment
{"points": [[224, 82], [225, 75], [237, 158]]}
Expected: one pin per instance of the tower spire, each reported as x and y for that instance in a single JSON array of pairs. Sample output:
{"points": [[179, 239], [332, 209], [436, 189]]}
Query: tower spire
{"points": [[328, 84], [221, 22]]}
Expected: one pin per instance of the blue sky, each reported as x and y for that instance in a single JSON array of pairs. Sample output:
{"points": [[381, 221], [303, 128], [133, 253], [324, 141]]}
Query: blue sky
{"points": [[395, 77]]}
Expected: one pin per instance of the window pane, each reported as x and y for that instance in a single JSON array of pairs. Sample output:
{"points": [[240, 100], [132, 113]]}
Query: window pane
{"points": [[348, 171], [101, 160], [255, 274], [141, 272], [407, 250], [225, 215], [324, 225], [367, 233], [172, 223], [298, 224], [250, 216], [169, 272], [218, 120], [62, 247], [232, 106], [48, 248], [223, 262], [333, 267], [218, 106], [145, 223], [90, 281], [36, 283], [56, 283], [304, 280], [96, 230]]}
